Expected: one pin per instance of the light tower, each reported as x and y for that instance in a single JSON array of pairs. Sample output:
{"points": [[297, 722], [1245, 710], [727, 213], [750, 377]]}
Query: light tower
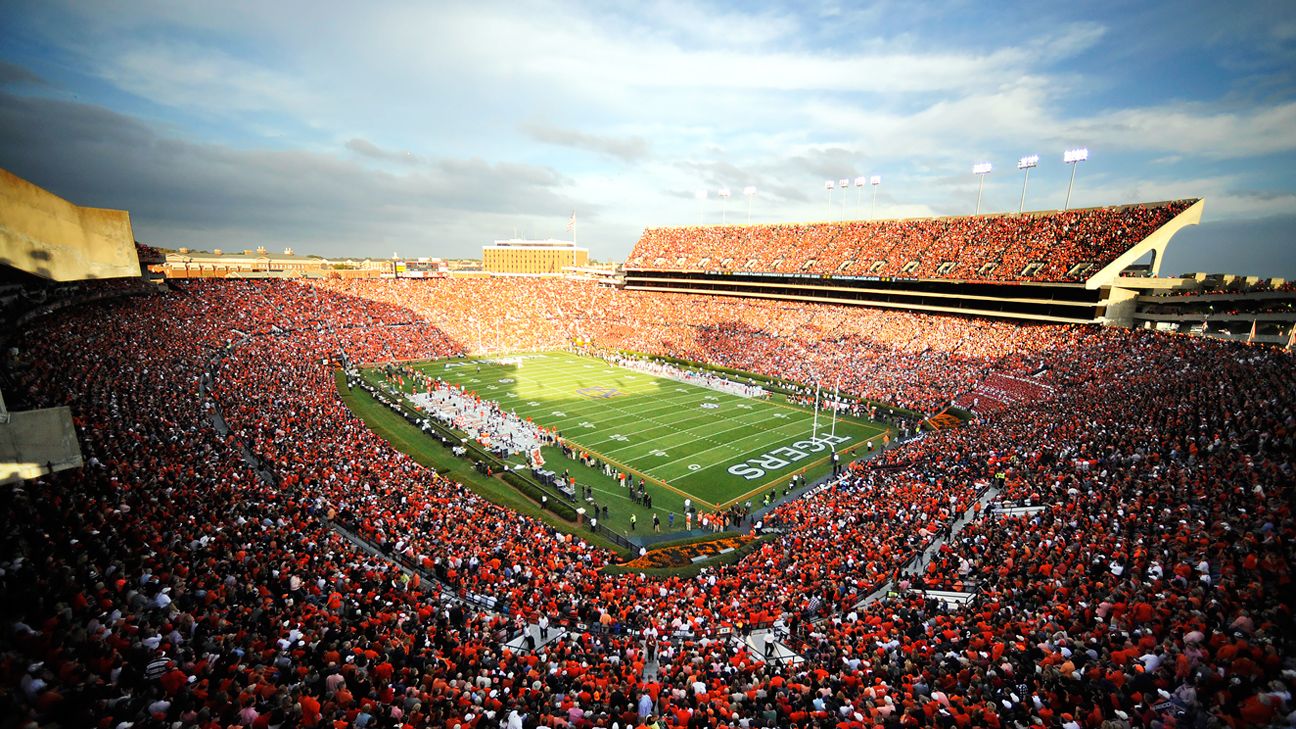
{"points": [[828, 185], [724, 214], [860, 182], [844, 184], [1073, 157], [875, 181], [1026, 164], [749, 192], [981, 169]]}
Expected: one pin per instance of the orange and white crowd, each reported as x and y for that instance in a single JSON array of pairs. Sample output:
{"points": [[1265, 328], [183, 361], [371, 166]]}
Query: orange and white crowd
{"points": [[168, 584], [1067, 245]]}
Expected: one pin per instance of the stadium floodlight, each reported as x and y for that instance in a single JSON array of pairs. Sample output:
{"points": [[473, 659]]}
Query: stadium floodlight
{"points": [[1026, 164], [875, 181], [860, 182], [829, 185], [724, 214], [750, 192], [981, 169], [1073, 157], [844, 184]]}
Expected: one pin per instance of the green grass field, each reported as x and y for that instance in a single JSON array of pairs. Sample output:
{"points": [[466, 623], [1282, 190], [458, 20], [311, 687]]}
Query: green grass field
{"points": [[691, 441]]}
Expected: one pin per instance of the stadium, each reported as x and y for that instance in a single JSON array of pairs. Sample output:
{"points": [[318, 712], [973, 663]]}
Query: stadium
{"points": [[997, 469]]}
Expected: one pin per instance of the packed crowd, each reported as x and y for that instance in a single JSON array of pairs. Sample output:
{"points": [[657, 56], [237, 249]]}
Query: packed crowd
{"points": [[1066, 245], [167, 584], [914, 361]]}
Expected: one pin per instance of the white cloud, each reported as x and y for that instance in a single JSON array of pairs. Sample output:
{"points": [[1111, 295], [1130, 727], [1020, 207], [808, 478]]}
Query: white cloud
{"points": [[626, 149], [1196, 128], [623, 110], [203, 78]]}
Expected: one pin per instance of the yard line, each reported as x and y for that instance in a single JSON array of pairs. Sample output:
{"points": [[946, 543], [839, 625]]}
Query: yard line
{"points": [[662, 383], [605, 405], [712, 436], [655, 401], [764, 434], [657, 413], [643, 414], [710, 419], [669, 402], [861, 438]]}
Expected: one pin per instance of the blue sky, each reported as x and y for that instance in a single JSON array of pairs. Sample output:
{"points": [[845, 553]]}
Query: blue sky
{"points": [[429, 129]]}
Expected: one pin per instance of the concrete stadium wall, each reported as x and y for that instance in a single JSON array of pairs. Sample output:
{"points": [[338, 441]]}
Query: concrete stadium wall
{"points": [[43, 234], [36, 442], [1121, 305], [1156, 242]]}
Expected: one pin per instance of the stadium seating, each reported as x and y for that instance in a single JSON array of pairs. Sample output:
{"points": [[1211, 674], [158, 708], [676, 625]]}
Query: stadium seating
{"points": [[1057, 246], [175, 582]]}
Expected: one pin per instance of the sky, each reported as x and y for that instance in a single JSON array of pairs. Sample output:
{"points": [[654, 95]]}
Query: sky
{"points": [[429, 129]]}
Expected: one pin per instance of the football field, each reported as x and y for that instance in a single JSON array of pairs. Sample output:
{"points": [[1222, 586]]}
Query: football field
{"points": [[711, 446]]}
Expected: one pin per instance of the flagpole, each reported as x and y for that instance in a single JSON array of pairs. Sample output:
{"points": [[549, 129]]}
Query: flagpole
{"points": [[835, 405], [814, 432]]}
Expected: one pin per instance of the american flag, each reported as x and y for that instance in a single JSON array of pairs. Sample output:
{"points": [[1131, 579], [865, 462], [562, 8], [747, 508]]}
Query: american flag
{"points": [[571, 223]]}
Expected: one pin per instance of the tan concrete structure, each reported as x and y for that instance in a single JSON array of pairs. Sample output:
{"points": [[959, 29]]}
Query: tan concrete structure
{"points": [[36, 442], [198, 264], [1156, 243], [532, 257], [43, 234], [261, 263]]}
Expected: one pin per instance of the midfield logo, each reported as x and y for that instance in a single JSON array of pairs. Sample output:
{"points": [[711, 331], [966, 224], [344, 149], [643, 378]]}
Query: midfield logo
{"points": [[598, 392]]}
